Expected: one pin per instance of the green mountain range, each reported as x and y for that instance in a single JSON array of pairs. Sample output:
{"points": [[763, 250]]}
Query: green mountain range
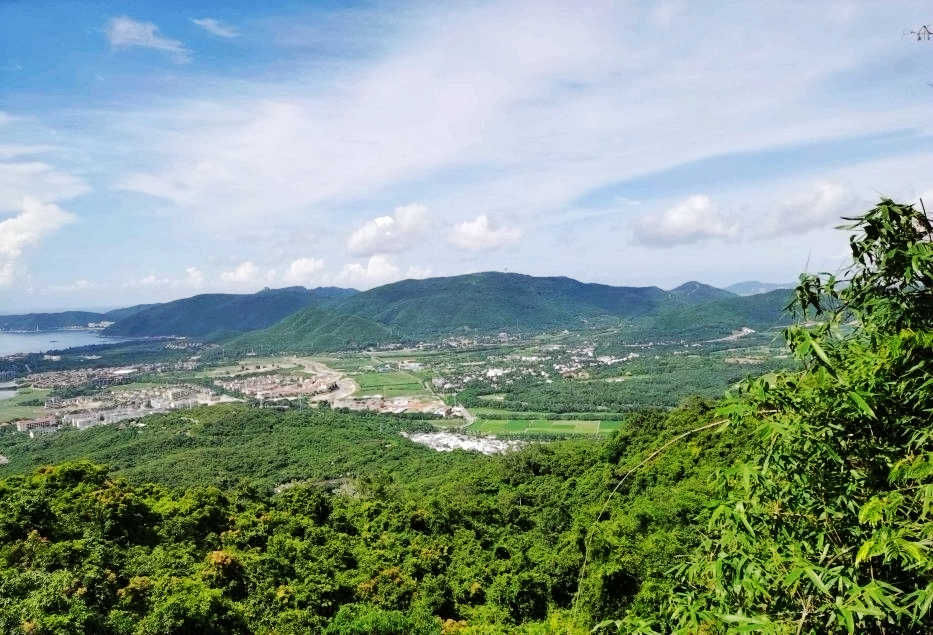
{"points": [[330, 318], [491, 302]]}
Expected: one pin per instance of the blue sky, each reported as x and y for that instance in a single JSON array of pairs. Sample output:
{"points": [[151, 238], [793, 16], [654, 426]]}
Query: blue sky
{"points": [[153, 150]]}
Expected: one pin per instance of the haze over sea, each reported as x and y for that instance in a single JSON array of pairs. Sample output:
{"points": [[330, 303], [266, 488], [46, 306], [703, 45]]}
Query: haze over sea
{"points": [[11, 343]]}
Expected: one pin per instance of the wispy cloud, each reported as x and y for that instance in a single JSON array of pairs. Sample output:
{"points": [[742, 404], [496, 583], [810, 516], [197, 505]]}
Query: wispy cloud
{"points": [[124, 32], [216, 27]]}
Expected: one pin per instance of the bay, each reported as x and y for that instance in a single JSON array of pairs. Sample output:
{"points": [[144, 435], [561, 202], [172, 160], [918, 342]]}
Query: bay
{"points": [[11, 343]]}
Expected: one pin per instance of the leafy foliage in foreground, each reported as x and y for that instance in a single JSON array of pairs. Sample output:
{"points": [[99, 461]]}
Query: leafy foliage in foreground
{"points": [[455, 541], [829, 528]]}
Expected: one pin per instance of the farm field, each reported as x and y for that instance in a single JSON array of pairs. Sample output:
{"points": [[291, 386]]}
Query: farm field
{"points": [[17, 406], [543, 426], [498, 413], [389, 384]]}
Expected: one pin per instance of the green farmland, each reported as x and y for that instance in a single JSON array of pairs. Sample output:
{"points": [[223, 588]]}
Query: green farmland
{"points": [[391, 384], [25, 404], [543, 426]]}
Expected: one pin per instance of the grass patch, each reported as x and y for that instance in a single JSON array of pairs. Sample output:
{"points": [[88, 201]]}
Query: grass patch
{"points": [[392, 384], [16, 407], [542, 426]]}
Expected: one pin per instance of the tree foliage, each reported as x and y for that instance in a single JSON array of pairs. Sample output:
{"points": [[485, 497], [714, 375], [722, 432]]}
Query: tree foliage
{"points": [[828, 527]]}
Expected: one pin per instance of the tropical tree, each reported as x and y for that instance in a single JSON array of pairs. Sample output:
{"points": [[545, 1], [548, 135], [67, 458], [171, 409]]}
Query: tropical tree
{"points": [[828, 527]]}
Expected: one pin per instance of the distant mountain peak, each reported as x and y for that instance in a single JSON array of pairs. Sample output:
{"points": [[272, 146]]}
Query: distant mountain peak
{"points": [[695, 291], [754, 287]]}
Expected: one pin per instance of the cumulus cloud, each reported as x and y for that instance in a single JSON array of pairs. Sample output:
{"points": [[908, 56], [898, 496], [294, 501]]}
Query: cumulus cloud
{"points": [[216, 27], [693, 220], [303, 270], [480, 233], [386, 234], [379, 269], [820, 207], [124, 32], [243, 273], [35, 220]]}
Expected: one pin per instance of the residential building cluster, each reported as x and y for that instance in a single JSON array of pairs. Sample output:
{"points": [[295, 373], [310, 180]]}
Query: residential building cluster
{"points": [[277, 386], [117, 405]]}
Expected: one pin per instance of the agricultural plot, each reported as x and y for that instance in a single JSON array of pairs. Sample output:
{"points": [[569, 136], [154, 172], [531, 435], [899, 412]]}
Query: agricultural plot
{"points": [[26, 404], [543, 426], [390, 384]]}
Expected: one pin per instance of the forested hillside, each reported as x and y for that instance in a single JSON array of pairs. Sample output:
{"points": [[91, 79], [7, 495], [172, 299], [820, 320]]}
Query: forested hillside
{"points": [[217, 314], [376, 535], [493, 301], [716, 318], [483, 304], [47, 321], [316, 329]]}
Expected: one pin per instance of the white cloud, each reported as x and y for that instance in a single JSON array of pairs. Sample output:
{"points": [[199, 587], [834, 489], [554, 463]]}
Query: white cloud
{"points": [[379, 269], [694, 220], [124, 32], [819, 207], [216, 27], [21, 180], [34, 221], [243, 273], [418, 273], [194, 277], [386, 234], [151, 280], [303, 270], [480, 233]]}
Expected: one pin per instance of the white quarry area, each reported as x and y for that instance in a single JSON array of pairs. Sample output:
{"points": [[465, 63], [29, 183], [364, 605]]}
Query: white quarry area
{"points": [[450, 441]]}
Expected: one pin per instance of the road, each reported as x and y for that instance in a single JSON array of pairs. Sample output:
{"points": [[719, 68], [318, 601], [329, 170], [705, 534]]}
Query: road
{"points": [[345, 385]]}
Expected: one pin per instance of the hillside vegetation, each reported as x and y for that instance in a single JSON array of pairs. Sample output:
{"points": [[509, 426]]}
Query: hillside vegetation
{"points": [[216, 314], [316, 329], [486, 304], [49, 321]]}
